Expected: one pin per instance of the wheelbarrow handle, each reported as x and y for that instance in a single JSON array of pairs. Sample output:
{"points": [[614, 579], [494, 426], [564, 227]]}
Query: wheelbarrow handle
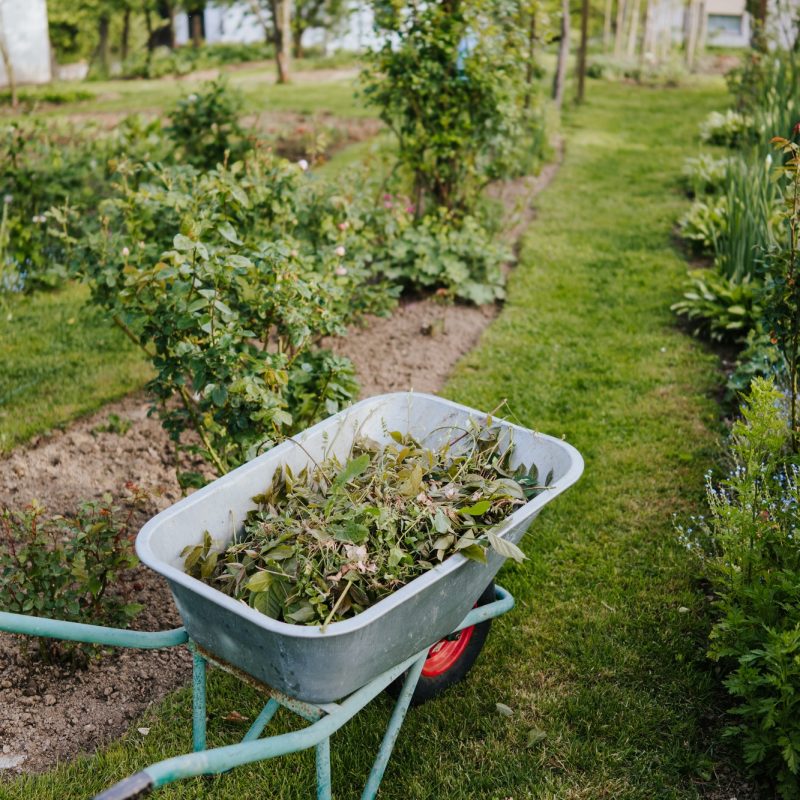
{"points": [[137, 785]]}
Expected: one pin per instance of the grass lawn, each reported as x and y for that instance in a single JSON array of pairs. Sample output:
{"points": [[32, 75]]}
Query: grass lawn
{"points": [[60, 358], [257, 83], [602, 660]]}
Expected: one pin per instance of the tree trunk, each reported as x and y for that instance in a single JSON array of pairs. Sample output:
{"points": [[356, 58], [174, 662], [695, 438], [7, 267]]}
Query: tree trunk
{"points": [[607, 26], [530, 62], [102, 46], [758, 37], [197, 28], [647, 32], [126, 32], [148, 23], [297, 40], [619, 34], [633, 31], [582, 51], [691, 32], [171, 12], [563, 55], [283, 35], [6, 56]]}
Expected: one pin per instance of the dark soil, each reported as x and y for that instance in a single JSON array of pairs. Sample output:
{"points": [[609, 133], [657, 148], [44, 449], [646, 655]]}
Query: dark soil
{"points": [[50, 713]]}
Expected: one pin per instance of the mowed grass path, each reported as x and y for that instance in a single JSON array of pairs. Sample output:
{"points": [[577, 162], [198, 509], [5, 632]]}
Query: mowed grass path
{"points": [[602, 659]]}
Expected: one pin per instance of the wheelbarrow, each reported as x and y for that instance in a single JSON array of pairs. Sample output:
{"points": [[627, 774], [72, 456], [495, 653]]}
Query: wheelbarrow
{"points": [[416, 643]]}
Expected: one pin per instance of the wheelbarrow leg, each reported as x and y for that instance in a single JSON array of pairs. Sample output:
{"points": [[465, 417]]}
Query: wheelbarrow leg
{"points": [[198, 701], [324, 770], [393, 730]]}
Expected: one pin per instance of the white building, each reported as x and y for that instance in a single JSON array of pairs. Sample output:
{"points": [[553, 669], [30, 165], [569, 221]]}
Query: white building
{"points": [[237, 23], [23, 26]]}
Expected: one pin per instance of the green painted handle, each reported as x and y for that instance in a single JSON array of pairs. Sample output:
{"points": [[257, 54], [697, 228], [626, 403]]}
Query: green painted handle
{"points": [[91, 634]]}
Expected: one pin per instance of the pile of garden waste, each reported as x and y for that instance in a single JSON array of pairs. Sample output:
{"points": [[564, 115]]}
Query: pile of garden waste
{"points": [[329, 542]]}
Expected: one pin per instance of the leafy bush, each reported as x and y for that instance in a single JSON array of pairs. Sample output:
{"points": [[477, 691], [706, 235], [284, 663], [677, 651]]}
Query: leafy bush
{"points": [[752, 204], [163, 61], [724, 309], [462, 259], [780, 268], [227, 285], [204, 125], [704, 223], [759, 358], [730, 129], [39, 170], [766, 87], [749, 549], [69, 567], [704, 175], [446, 86], [56, 96]]}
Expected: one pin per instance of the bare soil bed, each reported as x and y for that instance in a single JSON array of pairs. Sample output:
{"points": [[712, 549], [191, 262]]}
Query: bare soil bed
{"points": [[50, 713]]}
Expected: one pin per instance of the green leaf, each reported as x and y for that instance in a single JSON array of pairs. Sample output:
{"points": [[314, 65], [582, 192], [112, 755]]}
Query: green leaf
{"points": [[352, 469], [303, 614], [226, 230], [279, 553], [395, 556], [478, 509], [182, 243], [505, 548], [441, 522], [474, 552], [410, 481], [260, 582], [351, 532]]}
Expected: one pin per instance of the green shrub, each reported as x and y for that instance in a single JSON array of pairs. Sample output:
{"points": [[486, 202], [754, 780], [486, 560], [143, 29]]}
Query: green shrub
{"points": [[748, 547], [228, 280], [704, 223], [204, 125], [752, 215], [730, 129], [780, 270], [56, 96], [448, 88], [704, 175], [38, 169], [163, 61], [759, 358], [725, 310], [69, 567], [462, 259], [766, 87]]}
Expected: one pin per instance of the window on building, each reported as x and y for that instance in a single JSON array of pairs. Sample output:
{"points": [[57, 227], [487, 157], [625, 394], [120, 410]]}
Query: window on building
{"points": [[724, 23]]}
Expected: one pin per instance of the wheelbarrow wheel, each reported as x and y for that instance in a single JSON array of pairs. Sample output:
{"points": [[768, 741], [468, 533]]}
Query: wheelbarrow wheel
{"points": [[450, 659]]}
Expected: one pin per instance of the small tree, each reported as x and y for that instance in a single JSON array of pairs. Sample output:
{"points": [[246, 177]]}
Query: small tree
{"points": [[446, 85]]}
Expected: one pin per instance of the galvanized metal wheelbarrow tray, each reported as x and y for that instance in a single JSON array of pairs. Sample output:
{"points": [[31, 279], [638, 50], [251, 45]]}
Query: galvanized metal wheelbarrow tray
{"points": [[302, 667]]}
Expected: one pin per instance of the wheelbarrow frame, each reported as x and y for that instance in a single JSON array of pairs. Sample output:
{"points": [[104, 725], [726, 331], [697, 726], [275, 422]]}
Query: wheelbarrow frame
{"points": [[325, 719]]}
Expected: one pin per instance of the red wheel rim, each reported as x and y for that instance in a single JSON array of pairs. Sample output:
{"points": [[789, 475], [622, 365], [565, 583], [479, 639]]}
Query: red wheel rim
{"points": [[446, 652]]}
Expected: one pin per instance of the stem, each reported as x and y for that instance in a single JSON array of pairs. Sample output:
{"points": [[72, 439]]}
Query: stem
{"points": [[336, 606], [198, 426], [118, 321]]}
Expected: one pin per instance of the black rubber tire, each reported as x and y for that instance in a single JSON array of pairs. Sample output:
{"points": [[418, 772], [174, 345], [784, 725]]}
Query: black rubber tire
{"points": [[430, 687]]}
